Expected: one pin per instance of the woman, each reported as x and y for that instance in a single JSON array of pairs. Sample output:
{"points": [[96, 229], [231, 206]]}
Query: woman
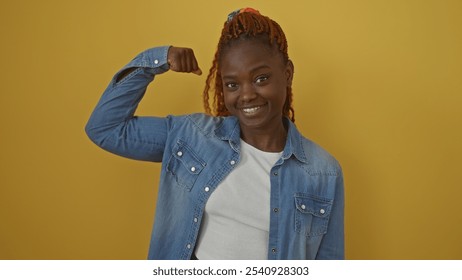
{"points": [[244, 183]]}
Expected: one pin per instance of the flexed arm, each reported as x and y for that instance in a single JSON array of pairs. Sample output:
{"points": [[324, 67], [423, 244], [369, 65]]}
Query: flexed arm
{"points": [[113, 125]]}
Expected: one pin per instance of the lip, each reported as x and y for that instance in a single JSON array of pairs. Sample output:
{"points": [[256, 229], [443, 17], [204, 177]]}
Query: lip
{"points": [[251, 110]]}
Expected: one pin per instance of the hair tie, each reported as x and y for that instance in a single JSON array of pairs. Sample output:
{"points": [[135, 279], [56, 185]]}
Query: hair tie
{"points": [[243, 10]]}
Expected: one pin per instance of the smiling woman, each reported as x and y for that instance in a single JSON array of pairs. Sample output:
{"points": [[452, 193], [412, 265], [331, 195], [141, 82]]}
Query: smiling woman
{"points": [[242, 183], [255, 80]]}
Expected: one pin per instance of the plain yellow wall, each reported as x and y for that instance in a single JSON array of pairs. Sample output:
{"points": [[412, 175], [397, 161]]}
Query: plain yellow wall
{"points": [[377, 83]]}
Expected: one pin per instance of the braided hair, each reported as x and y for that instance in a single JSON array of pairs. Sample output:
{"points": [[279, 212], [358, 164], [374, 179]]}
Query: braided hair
{"points": [[242, 25]]}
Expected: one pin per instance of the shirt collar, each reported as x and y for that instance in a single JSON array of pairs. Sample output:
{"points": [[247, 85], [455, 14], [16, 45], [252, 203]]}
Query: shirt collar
{"points": [[294, 143], [229, 130]]}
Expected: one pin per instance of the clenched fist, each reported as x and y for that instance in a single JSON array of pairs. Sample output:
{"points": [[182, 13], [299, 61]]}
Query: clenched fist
{"points": [[183, 60]]}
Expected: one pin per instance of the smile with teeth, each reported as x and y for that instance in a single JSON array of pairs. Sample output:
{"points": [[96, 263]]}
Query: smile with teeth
{"points": [[251, 110]]}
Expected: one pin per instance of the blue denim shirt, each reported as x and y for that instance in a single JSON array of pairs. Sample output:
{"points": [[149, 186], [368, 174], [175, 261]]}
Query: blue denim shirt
{"points": [[198, 151]]}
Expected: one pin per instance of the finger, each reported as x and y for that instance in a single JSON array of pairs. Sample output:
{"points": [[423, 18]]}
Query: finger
{"points": [[189, 56], [198, 71], [172, 65], [174, 59], [195, 66], [170, 60], [179, 63]]}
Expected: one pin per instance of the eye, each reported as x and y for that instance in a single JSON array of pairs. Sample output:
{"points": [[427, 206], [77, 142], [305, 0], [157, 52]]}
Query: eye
{"points": [[231, 85], [261, 79]]}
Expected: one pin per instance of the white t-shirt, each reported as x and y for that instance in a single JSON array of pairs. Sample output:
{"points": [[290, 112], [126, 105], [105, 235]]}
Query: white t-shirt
{"points": [[236, 220]]}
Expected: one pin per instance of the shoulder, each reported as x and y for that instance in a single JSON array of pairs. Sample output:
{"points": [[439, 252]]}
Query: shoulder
{"points": [[313, 158], [205, 124], [319, 160], [205, 121]]}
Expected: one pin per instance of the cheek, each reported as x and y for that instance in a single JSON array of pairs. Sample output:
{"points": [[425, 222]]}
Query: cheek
{"points": [[228, 100], [283, 101], [284, 97], [278, 95]]}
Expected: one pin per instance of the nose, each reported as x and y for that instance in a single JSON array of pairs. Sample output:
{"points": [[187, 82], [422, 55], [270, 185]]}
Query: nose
{"points": [[247, 93]]}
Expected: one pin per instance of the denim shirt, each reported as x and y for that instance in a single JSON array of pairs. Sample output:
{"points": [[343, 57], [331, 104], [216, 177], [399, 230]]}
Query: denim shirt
{"points": [[198, 151]]}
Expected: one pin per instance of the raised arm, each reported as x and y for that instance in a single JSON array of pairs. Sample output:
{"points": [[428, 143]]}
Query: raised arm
{"points": [[113, 125]]}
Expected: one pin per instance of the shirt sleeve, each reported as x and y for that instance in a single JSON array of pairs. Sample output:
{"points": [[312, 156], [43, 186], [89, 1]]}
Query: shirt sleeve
{"points": [[333, 243], [113, 125]]}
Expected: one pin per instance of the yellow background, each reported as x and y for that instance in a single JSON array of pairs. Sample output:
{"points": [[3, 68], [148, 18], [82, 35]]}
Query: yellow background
{"points": [[377, 83]]}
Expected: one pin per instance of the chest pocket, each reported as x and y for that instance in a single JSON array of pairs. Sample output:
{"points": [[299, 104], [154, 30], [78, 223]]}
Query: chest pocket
{"points": [[311, 214], [185, 165]]}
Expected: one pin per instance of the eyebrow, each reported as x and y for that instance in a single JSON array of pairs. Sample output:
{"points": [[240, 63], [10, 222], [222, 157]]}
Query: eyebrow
{"points": [[251, 71]]}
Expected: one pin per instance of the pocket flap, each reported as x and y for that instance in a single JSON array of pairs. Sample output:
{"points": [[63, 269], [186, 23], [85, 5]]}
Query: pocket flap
{"points": [[315, 205], [189, 160]]}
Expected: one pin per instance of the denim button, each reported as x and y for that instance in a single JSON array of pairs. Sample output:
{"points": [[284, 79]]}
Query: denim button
{"points": [[232, 162], [304, 207], [193, 169], [322, 211], [207, 189], [180, 153], [195, 220], [188, 246], [156, 61]]}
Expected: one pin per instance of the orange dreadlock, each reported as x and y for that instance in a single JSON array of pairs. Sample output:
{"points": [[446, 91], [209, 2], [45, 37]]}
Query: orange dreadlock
{"points": [[244, 24]]}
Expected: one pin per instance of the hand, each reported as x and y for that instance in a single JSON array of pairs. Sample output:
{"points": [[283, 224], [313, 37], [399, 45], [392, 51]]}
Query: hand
{"points": [[183, 60]]}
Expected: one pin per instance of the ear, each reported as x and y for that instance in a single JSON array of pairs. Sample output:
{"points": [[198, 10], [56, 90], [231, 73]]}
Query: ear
{"points": [[289, 72]]}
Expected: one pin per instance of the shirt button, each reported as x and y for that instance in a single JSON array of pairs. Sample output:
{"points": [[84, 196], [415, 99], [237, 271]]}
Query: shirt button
{"points": [[322, 211], [180, 153], [276, 210], [273, 250], [156, 61], [193, 169], [232, 162], [207, 189], [303, 206], [188, 246], [195, 220], [275, 173]]}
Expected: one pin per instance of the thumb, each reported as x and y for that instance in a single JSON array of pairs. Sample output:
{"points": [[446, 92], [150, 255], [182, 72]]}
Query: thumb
{"points": [[198, 71]]}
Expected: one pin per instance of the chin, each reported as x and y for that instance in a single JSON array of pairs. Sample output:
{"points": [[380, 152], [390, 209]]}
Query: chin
{"points": [[253, 123]]}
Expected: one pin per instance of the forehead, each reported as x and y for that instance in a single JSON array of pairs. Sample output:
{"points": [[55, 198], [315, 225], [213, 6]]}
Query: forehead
{"points": [[248, 52]]}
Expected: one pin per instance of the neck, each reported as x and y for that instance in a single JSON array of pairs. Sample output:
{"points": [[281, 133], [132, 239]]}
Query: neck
{"points": [[268, 140]]}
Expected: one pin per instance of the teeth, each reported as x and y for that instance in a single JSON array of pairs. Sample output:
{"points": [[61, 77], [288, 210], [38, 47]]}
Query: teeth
{"points": [[251, 110]]}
